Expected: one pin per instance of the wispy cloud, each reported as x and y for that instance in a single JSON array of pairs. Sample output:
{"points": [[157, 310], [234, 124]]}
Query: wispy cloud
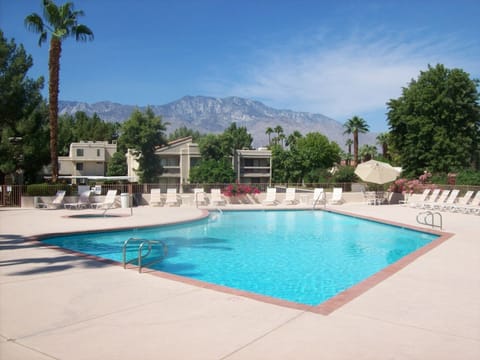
{"points": [[343, 77]]}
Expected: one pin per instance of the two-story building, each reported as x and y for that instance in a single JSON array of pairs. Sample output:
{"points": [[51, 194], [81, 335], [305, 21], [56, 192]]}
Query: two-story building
{"points": [[86, 158], [179, 156]]}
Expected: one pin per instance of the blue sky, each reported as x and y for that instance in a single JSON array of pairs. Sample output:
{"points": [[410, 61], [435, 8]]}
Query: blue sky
{"points": [[338, 58]]}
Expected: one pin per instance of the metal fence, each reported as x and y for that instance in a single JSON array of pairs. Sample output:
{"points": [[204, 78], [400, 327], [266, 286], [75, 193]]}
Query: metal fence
{"points": [[11, 195]]}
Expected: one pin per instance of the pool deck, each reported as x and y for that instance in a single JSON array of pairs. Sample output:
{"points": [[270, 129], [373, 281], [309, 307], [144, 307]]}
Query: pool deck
{"points": [[56, 305]]}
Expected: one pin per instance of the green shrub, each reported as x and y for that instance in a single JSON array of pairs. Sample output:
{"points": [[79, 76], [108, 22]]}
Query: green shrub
{"points": [[468, 177], [48, 189], [345, 174]]}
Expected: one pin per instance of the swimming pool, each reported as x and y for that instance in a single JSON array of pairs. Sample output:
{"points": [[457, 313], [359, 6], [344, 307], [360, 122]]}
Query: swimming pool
{"points": [[305, 257]]}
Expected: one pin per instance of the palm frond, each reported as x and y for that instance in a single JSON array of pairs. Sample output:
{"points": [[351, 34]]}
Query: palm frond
{"points": [[83, 33]]}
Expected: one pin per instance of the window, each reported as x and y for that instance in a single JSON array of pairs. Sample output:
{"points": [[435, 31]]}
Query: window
{"points": [[79, 152], [98, 152], [79, 166]]}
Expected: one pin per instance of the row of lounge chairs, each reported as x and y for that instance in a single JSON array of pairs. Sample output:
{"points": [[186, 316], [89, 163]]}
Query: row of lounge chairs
{"points": [[448, 200], [85, 200], [216, 198]]}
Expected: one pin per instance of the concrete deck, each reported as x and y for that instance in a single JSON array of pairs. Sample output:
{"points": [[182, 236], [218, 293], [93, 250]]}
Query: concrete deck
{"points": [[55, 305]]}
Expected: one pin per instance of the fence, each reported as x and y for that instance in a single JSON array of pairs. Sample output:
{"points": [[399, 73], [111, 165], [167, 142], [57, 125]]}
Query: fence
{"points": [[11, 195]]}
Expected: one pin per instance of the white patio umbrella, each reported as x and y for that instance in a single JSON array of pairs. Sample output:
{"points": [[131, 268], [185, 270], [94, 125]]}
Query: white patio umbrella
{"points": [[376, 172]]}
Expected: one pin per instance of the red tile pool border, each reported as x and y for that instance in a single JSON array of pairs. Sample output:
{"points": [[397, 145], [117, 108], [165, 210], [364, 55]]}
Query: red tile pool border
{"points": [[324, 308]]}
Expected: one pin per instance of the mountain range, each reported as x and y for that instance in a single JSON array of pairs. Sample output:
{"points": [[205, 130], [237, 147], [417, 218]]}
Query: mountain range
{"points": [[214, 115]]}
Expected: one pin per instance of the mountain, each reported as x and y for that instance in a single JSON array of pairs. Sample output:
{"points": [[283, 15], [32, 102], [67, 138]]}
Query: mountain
{"points": [[214, 115]]}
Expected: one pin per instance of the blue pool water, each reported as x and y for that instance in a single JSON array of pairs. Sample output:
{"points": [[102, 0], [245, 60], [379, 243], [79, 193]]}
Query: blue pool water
{"points": [[305, 257]]}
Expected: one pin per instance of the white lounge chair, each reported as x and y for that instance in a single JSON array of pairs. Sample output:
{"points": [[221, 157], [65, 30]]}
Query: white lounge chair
{"points": [[84, 201], [463, 201], [216, 197], [431, 199], [438, 201], [337, 196], [155, 197], [172, 198], [290, 196], [318, 196], [412, 199], [271, 198], [108, 202], [447, 205], [199, 196], [56, 203], [474, 206]]}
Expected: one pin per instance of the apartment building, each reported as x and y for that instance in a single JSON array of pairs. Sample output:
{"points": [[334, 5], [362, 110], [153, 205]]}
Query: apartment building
{"points": [[179, 156], [87, 158], [253, 166]]}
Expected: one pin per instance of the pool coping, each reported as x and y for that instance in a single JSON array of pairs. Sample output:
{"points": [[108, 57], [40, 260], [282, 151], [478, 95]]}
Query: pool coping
{"points": [[325, 308]]}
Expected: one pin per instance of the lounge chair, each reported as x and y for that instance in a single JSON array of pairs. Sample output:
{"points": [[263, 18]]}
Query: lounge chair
{"points": [[431, 199], [199, 196], [84, 201], [318, 196], [462, 202], [370, 197], [271, 198], [336, 196], [290, 196], [155, 197], [216, 197], [56, 203], [172, 198], [435, 204], [108, 202], [447, 205], [412, 199], [474, 206]]}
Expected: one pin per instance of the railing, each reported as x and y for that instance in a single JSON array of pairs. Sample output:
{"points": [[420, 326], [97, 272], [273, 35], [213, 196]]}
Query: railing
{"points": [[430, 218], [142, 256]]}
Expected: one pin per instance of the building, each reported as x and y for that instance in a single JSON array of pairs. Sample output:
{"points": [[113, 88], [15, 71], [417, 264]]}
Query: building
{"points": [[179, 156], [86, 158], [253, 166]]}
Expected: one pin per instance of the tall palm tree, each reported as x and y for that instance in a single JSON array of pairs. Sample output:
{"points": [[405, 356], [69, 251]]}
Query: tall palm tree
{"points": [[279, 131], [61, 22], [269, 132], [382, 140], [354, 126], [349, 144]]}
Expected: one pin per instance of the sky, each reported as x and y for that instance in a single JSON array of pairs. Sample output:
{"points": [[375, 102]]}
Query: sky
{"points": [[337, 58]]}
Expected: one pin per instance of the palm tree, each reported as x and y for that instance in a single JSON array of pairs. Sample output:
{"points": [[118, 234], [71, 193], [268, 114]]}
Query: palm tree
{"points": [[349, 144], [293, 138], [279, 131], [61, 22], [382, 140], [269, 132], [354, 126], [368, 152]]}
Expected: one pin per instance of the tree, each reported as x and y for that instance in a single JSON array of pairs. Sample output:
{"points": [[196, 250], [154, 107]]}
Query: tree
{"points": [[354, 126], [235, 138], [210, 171], [81, 127], [280, 135], [367, 152], [183, 132], [382, 140], [435, 123], [269, 132], [349, 144], [143, 132], [61, 22], [117, 166], [23, 119]]}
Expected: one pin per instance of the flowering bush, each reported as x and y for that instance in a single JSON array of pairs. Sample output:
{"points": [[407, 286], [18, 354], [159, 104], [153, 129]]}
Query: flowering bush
{"points": [[240, 189]]}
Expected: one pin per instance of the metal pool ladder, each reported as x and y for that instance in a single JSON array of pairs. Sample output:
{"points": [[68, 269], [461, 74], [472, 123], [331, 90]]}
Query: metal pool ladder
{"points": [[430, 218], [141, 257]]}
